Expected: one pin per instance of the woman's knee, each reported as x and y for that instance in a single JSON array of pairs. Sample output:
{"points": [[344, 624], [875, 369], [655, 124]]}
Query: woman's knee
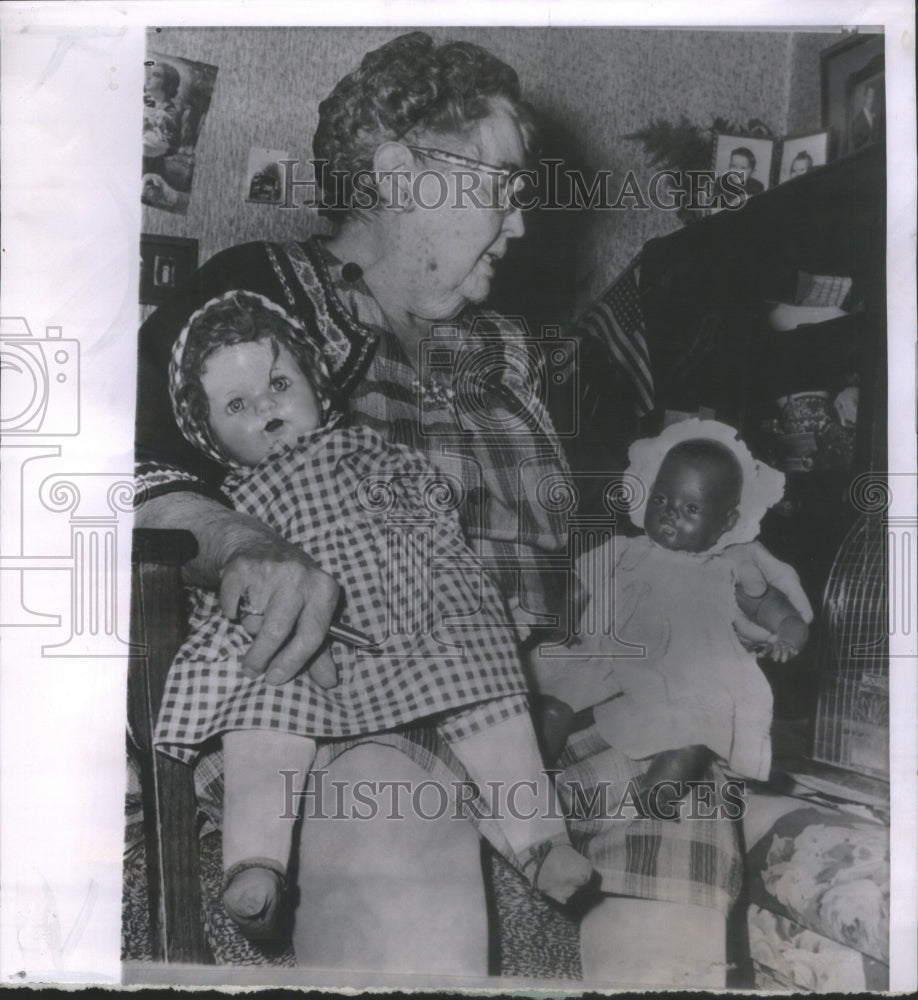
{"points": [[393, 891], [375, 811]]}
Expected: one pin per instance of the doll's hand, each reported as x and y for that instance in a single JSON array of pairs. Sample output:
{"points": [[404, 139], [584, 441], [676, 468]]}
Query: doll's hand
{"points": [[788, 640], [780, 651]]}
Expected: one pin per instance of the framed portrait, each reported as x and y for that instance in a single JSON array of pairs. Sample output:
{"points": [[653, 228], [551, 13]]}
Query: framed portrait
{"points": [[165, 262], [854, 93], [742, 169], [801, 153]]}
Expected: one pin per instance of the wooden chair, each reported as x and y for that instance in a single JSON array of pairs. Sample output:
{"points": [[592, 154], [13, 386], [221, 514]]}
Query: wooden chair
{"points": [[158, 625]]}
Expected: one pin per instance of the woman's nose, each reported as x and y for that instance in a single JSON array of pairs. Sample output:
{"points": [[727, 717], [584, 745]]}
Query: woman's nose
{"points": [[514, 225]]}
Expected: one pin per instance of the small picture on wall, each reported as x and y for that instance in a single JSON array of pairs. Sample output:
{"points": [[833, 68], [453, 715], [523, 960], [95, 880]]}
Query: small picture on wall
{"points": [[854, 93], [264, 176], [176, 98], [165, 262], [742, 169], [866, 108], [800, 153]]}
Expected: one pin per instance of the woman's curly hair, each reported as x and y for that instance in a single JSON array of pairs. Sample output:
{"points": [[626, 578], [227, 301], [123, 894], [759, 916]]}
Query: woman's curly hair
{"points": [[408, 85], [242, 318]]}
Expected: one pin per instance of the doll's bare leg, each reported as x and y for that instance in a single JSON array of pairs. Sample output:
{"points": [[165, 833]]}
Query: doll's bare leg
{"points": [[503, 758], [650, 943], [258, 819]]}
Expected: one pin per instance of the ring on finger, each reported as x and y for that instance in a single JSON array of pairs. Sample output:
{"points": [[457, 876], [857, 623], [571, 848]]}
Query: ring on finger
{"points": [[244, 609]]}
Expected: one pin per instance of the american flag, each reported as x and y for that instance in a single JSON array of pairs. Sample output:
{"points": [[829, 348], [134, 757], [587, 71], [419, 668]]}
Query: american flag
{"points": [[616, 321]]}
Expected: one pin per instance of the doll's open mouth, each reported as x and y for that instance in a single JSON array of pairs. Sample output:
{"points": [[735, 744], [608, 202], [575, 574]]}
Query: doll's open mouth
{"points": [[274, 425]]}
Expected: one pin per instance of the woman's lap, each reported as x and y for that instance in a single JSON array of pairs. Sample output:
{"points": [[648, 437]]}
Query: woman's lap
{"points": [[407, 894], [402, 895]]}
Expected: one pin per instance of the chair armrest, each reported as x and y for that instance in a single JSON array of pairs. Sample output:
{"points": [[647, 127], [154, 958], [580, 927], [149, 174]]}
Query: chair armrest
{"points": [[158, 626]]}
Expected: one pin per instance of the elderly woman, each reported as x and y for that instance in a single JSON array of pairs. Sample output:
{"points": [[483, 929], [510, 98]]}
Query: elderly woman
{"points": [[420, 142]]}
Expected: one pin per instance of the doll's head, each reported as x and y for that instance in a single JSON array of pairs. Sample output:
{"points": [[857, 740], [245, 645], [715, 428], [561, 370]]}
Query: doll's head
{"points": [[718, 491], [245, 377], [694, 498]]}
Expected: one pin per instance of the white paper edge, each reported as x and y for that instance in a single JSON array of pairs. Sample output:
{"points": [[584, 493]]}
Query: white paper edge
{"points": [[70, 220]]}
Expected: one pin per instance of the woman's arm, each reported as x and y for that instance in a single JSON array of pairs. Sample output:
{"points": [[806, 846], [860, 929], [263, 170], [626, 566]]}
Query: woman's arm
{"points": [[237, 554]]}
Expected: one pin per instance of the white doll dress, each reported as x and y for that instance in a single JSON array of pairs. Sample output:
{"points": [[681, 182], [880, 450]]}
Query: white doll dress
{"points": [[694, 683]]}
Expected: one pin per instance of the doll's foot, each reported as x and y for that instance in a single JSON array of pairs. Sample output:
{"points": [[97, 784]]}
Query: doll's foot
{"points": [[557, 870], [253, 895]]}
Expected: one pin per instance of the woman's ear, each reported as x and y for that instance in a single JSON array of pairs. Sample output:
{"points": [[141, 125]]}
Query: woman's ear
{"points": [[393, 165]]}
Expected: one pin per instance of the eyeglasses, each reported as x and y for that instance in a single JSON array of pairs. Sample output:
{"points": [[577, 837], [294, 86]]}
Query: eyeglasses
{"points": [[510, 184]]}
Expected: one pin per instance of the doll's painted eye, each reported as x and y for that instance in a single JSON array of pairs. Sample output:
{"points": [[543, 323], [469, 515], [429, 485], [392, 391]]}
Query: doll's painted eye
{"points": [[692, 508], [280, 383], [235, 406], [658, 499]]}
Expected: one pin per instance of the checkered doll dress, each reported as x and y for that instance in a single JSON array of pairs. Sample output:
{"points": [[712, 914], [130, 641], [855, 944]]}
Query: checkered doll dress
{"points": [[382, 521]]}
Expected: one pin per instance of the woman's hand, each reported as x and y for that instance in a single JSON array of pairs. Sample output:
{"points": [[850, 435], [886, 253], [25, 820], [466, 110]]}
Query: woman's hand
{"points": [[238, 555], [296, 602]]}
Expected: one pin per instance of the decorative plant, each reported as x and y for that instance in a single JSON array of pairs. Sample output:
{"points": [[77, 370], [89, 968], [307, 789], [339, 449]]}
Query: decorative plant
{"points": [[685, 146]]}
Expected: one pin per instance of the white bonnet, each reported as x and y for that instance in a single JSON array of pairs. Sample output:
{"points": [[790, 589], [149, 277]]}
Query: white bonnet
{"points": [[763, 486]]}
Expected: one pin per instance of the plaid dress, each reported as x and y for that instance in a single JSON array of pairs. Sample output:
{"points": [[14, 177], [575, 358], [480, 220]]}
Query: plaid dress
{"points": [[380, 520]]}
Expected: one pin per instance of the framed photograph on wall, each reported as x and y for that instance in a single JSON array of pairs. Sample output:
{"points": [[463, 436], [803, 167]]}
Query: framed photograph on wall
{"points": [[264, 176], [854, 93], [801, 153], [742, 169], [165, 262]]}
